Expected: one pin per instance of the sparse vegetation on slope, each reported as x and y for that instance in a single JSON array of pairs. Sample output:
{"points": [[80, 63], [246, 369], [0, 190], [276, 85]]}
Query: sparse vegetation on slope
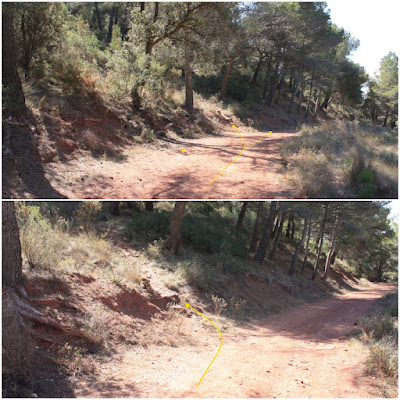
{"points": [[339, 159]]}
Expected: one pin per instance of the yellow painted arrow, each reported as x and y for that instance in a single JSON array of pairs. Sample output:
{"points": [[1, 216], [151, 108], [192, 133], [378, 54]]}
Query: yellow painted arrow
{"points": [[189, 306]]}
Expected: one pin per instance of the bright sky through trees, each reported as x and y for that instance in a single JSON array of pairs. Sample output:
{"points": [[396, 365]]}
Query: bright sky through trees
{"points": [[374, 23]]}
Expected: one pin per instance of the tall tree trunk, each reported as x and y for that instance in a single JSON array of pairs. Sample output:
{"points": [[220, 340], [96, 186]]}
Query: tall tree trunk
{"points": [[188, 75], [280, 85], [110, 24], [98, 18], [294, 91], [293, 229], [174, 240], [321, 241], [277, 237], [318, 99], [300, 99], [256, 230], [11, 250], [386, 117], [298, 247], [267, 79], [289, 223], [225, 79], [330, 259], [13, 95], [242, 213], [272, 85], [307, 248], [310, 93], [262, 248], [258, 68]]}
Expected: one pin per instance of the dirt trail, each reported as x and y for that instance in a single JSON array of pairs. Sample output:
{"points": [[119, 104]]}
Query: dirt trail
{"points": [[300, 353], [148, 172]]}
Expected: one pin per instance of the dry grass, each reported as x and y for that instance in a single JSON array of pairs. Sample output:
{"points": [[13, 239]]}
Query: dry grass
{"points": [[340, 159]]}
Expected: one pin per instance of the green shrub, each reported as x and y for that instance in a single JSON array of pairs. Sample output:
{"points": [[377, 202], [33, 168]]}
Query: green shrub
{"points": [[40, 242], [203, 236], [198, 274], [149, 226]]}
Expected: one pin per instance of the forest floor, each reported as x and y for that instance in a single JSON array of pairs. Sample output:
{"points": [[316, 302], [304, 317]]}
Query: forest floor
{"points": [[169, 168], [303, 352]]}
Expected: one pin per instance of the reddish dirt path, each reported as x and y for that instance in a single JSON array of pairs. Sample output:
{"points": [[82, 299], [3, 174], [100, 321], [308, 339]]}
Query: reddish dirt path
{"points": [[300, 353], [163, 171]]}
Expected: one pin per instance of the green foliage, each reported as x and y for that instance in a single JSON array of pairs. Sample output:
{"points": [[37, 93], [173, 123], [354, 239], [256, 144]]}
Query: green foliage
{"points": [[204, 235], [148, 226], [40, 242], [198, 274]]}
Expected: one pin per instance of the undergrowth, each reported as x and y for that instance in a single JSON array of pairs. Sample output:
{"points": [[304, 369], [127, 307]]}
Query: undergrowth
{"points": [[380, 332], [340, 159]]}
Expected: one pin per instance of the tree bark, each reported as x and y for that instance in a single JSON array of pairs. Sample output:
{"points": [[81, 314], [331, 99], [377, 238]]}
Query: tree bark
{"points": [[225, 79], [321, 241], [272, 85], [114, 209], [110, 25], [298, 247], [280, 85], [267, 79], [277, 237], [242, 213], [188, 75], [258, 68], [13, 95], [310, 93], [386, 117], [330, 258], [174, 240], [307, 248], [11, 250], [266, 238], [256, 230], [149, 206], [98, 18]]}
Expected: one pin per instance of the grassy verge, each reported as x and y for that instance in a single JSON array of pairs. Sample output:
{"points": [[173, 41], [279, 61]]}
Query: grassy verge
{"points": [[340, 159], [380, 332]]}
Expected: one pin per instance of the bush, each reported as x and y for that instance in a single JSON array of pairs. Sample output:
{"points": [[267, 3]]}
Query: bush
{"points": [[149, 226], [198, 274], [203, 236], [40, 242]]}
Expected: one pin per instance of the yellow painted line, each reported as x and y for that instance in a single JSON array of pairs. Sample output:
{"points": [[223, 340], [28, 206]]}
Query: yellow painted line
{"points": [[189, 306], [244, 148]]}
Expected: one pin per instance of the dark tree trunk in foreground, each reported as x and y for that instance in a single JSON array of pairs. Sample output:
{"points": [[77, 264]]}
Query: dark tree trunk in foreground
{"points": [[13, 95], [298, 247], [258, 68], [113, 207], [256, 230], [241, 216], [188, 76], [321, 241], [277, 237], [11, 253], [266, 238], [174, 240]]}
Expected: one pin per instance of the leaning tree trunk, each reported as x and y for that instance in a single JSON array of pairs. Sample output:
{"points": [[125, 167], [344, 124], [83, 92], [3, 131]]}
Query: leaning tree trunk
{"points": [[262, 248], [298, 247], [174, 240], [277, 237], [267, 79], [11, 250], [13, 95], [256, 230], [321, 242], [330, 258], [188, 75], [239, 223], [258, 68]]}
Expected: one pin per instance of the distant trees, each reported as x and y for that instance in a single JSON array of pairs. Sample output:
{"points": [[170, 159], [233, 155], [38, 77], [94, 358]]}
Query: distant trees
{"points": [[381, 104]]}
